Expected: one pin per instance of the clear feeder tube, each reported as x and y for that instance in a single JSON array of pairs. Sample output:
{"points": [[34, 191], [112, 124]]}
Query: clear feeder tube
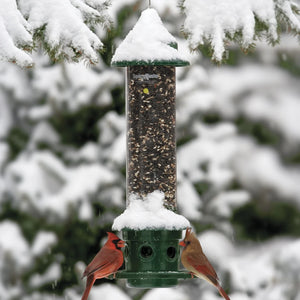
{"points": [[151, 118]]}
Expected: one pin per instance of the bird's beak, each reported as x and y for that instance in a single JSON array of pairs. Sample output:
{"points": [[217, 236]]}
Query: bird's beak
{"points": [[121, 244], [182, 243]]}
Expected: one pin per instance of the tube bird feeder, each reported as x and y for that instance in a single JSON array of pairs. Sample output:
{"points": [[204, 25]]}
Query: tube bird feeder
{"points": [[149, 225]]}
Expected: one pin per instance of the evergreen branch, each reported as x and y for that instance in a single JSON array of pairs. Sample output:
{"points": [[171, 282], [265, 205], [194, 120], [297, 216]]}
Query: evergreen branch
{"points": [[208, 25], [15, 35], [63, 28]]}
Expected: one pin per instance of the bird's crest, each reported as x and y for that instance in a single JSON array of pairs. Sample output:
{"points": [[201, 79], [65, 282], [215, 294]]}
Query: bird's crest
{"points": [[115, 240], [112, 236], [188, 231], [186, 241]]}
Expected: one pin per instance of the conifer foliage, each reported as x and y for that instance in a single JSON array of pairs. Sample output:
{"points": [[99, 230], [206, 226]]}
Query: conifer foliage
{"points": [[218, 23], [67, 29], [64, 28]]}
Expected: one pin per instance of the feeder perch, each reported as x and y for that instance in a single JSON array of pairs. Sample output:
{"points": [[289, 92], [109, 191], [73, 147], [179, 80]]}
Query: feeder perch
{"points": [[149, 53]]}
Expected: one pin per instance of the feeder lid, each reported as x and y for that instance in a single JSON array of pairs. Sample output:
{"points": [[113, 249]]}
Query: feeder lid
{"points": [[148, 43]]}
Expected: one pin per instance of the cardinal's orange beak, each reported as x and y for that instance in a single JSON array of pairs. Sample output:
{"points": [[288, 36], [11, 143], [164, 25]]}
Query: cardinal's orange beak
{"points": [[121, 244], [182, 243]]}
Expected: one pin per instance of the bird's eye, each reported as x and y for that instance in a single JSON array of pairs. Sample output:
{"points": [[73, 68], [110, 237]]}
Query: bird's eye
{"points": [[188, 242], [116, 242]]}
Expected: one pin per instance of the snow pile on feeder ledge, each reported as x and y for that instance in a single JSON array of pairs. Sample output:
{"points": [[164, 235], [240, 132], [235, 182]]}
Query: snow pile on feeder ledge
{"points": [[149, 213], [148, 41]]}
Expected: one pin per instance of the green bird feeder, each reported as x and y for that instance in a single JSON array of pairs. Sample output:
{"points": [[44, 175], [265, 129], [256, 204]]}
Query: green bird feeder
{"points": [[149, 225]]}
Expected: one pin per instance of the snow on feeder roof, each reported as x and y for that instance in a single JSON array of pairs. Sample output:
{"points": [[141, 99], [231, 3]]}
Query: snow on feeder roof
{"points": [[148, 43], [149, 213]]}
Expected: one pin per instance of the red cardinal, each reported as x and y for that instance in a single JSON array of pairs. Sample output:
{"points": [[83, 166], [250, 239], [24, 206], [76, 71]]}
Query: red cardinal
{"points": [[194, 260], [106, 262]]}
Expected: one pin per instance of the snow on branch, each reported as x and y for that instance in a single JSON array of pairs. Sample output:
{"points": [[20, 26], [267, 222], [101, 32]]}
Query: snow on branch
{"points": [[15, 35], [93, 11], [63, 27], [216, 22]]}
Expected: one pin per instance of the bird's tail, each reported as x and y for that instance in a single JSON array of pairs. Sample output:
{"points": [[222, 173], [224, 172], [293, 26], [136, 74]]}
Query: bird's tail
{"points": [[89, 283], [222, 292]]}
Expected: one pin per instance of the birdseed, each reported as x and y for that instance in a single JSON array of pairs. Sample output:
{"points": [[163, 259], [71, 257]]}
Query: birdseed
{"points": [[151, 118]]}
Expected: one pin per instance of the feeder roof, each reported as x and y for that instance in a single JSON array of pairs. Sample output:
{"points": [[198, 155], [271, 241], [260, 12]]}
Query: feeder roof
{"points": [[148, 43]]}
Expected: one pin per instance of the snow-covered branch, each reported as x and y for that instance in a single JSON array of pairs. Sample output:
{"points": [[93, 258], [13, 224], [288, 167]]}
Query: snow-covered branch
{"points": [[15, 34], [64, 28], [217, 22]]}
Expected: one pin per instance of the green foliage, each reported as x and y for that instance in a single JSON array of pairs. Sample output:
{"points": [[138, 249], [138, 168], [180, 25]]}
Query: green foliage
{"points": [[17, 140], [69, 50], [203, 226], [184, 139], [294, 158], [118, 96], [289, 63], [76, 241], [260, 221], [82, 247], [285, 23], [56, 52], [262, 29], [259, 130], [83, 123], [203, 186], [211, 117], [205, 49], [52, 50], [234, 56]]}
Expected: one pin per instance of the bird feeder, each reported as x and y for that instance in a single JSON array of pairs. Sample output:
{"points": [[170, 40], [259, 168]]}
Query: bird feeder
{"points": [[149, 54]]}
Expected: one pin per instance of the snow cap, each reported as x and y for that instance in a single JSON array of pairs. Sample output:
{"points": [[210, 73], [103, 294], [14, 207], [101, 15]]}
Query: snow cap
{"points": [[149, 213], [148, 43]]}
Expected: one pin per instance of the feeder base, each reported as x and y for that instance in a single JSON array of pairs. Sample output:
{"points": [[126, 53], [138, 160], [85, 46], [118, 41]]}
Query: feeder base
{"points": [[152, 279]]}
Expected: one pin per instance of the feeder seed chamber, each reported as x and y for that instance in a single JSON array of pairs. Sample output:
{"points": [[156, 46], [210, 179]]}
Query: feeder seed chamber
{"points": [[149, 54]]}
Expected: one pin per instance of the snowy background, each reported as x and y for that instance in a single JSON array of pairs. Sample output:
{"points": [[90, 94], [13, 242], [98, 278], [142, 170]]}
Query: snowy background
{"points": [[62, 168]]}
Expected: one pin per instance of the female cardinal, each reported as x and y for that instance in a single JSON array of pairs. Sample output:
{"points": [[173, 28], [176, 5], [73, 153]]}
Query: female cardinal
{"points": [[106, 262], [194, 260]]}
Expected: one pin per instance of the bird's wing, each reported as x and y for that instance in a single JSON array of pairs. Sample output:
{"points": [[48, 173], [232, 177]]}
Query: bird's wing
{"points": [[106, 260], [204, 267]]}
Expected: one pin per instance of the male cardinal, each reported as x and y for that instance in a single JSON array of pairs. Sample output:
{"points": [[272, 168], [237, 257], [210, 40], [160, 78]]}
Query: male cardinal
{"points": [[194, 260], [106, 262]]}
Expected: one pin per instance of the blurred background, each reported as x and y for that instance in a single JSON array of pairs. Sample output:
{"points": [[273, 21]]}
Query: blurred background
{"points": [[62, 168]]}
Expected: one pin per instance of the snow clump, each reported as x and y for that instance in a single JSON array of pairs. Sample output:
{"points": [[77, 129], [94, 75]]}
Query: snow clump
{"points": [[149, 213]]}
